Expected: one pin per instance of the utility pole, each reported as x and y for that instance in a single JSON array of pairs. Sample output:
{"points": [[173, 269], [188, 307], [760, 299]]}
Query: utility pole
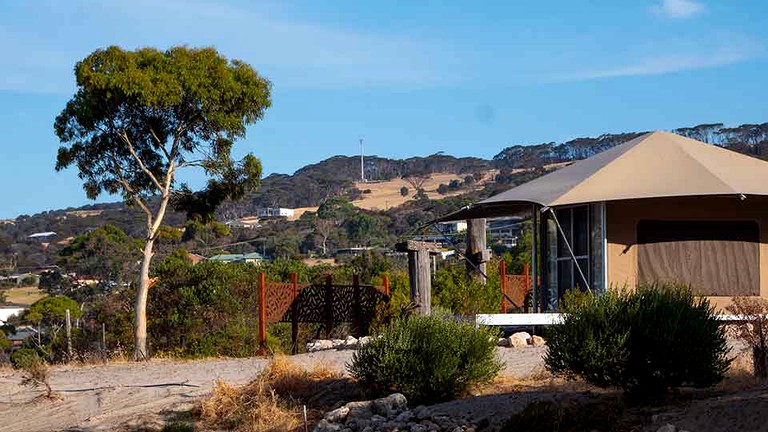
{"points": [[362, 162]]}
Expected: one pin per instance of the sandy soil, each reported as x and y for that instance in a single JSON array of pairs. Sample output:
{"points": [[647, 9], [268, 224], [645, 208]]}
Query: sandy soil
{"points": [[99, 397], [136, 396]]}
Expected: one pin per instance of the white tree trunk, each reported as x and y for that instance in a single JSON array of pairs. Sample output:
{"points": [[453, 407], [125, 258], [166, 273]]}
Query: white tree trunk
{"points": [[140, 351]]}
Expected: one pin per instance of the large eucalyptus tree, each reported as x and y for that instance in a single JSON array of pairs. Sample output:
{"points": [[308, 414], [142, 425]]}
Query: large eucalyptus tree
{"points": [[139, 117]]}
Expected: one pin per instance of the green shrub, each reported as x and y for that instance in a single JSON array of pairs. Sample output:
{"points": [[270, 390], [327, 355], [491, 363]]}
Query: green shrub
{"points": [[22, 356], [454, 291], [429, 359], [646, 342]]}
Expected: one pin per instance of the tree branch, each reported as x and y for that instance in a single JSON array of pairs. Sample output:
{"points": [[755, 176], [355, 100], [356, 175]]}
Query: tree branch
{"points": [[131, 190], [160, 143], [124, 136]]}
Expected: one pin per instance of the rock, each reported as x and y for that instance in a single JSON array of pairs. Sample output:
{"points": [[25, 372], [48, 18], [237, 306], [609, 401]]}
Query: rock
{"points": [[667, 428], [418, 428], [405, 416], [503, 342], [363, 341], [390, 406], [350, 342], [319, 345], [538, 341], [519, 339], [422, 413], [338, 415], [359, 410], [326, 426], [337, 343]]}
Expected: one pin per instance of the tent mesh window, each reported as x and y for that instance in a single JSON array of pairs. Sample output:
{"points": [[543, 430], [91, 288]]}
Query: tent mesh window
{"points": [[717, 258]]}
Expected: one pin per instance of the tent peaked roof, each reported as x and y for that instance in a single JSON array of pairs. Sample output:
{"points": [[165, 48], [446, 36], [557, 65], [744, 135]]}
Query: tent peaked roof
{"points": [[657, 164]]}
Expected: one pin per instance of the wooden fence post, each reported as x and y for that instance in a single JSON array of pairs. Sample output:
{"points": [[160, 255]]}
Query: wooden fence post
{"points": [[386, 285], [294, 313], [503, 277], [328, 309], [357, 324], [262, 313], [69, 335]]}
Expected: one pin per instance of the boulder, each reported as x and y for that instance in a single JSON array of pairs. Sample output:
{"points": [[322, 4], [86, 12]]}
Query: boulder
{"points": [[338, 415], [538, 341], [350, 342], [363, 341], [319, 345], [390, 406], [503, 342], [667, 428], [337, 343], [519, 339]]}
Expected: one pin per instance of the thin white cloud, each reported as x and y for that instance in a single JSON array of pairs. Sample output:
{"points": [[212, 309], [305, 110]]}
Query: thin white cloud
{"points": [[678, 9], [734, 51]]}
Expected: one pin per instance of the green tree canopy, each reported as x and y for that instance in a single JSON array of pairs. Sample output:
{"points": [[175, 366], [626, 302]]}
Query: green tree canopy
{"points": [[107, 253], [52, 310]]}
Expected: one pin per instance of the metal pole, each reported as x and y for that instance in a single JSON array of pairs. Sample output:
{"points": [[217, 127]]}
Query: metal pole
{"points": [[362, 162], [534, 257]]}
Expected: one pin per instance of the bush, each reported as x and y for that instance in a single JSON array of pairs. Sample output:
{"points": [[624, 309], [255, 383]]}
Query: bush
{"points": [[35, 371], [454, 291], [646, 342], [429, 359], [753, 330]]}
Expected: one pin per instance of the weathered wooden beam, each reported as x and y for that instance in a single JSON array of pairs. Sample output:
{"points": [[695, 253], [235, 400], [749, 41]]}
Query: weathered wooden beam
{"points": [[476, 253], [419, 272]]}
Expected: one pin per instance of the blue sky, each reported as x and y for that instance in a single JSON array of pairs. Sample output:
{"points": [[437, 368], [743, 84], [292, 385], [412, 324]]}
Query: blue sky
{"points": [[412, 78]]}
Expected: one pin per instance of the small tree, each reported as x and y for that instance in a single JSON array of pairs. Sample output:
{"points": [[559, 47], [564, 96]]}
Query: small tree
{"points": [[753, 329], [404, 191], [138, 117], [34, 372]]}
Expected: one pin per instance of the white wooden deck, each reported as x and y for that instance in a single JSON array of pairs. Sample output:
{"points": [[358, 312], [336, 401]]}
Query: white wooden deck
{"points": [[536, 319]]}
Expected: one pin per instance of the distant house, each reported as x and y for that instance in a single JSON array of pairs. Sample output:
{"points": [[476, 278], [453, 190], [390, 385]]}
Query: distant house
{"points": [[7, 312], [250, 258], [195, 258], [42, 235], [271, 212], [453, 227], [19, 279], [352, 251], [249, 222]]}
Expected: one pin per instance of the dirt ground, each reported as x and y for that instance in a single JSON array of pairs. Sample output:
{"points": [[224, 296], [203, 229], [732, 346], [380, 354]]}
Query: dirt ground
{"points": [[144, 396]]}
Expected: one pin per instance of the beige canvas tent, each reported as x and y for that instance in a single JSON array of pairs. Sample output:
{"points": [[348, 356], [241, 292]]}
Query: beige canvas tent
{"points": [[659, 207]]}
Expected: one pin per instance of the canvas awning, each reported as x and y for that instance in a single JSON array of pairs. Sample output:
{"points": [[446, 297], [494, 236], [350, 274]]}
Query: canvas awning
{"points": [[655, 165]]}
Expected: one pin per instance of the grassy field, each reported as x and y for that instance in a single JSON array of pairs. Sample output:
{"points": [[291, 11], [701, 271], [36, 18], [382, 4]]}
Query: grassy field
{"points": [[23, 295], [384, 195]]}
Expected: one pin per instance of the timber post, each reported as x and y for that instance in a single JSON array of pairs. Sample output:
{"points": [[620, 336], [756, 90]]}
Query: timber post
{"points": [[477, 253], [386, 285], [262, 313], [419, 273]]}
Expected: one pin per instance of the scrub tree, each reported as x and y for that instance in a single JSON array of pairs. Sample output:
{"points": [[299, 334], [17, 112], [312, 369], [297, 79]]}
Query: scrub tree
{"points": [[139, 117]]}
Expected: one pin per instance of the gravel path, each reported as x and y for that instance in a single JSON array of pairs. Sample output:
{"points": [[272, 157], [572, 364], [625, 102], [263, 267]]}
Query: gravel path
{"points": [[99, 397]]}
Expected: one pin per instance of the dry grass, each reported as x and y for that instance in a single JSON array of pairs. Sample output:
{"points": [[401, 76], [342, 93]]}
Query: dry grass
{"points": [[24, 295], [273, 401]]}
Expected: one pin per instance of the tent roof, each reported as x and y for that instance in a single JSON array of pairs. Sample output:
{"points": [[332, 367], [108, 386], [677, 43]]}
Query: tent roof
{"points": [[654, 165]]}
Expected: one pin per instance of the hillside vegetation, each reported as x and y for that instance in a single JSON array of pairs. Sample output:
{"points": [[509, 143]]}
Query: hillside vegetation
{"points": [[384, 212]]}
